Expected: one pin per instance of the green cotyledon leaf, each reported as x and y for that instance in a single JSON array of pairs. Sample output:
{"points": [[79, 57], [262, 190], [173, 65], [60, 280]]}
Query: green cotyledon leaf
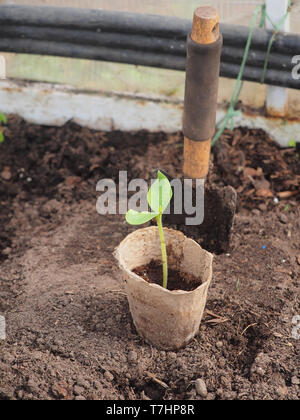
{"points": [[160, 194], [139, 218]]}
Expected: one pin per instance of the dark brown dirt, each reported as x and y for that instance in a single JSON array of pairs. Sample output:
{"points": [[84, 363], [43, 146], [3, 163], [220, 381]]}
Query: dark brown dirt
{"points": [[258, 170], [69, 330], [177, 280]]}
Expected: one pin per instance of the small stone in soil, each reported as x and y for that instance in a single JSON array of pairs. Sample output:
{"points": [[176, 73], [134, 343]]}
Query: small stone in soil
{"points": [[59, 389], [78, 390], [97, 385], [6, 251], [6, 174], [20, 394], [83, 383], [132, 356], [219, 344], [31, 385], [282, 217], [201, 388], [172, 355], [108, 376], [263, 207], [282, 391], [256, 212]]}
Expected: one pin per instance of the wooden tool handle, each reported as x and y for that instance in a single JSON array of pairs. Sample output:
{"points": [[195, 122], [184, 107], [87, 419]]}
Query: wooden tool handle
{"points": [[205, 30], [206, 25]]}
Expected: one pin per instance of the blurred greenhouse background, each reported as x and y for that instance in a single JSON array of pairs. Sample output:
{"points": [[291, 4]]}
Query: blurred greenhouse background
{"points": [[111, 77]]}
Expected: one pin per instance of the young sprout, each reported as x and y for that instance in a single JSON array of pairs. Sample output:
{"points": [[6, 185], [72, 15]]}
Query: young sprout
{"points": [[3, 120], [158, 197]]}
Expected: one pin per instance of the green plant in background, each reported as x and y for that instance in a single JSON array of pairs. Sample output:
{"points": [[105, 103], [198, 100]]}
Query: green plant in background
{"points": [[293, 145], [3, 120], [158, 197], [232, 111]]}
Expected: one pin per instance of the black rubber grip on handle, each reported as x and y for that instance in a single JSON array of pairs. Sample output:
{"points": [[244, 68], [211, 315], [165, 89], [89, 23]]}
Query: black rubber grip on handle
{"points": [[201, 89]]}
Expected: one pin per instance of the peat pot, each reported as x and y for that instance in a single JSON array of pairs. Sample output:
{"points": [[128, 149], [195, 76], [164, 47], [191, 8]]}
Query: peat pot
{"points": [[166, 319]]}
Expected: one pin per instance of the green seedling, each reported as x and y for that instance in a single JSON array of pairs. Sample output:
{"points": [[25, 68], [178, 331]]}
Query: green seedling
{"points": [[3, 120], [158, 197], [293, 144]]}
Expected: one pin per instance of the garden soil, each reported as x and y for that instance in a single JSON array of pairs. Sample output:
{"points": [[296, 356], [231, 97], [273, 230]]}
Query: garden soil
{"points": [[69, 330], [177, 280]]}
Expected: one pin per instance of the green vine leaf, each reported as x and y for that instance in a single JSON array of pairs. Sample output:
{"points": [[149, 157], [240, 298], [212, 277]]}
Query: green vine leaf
{"points": [[3, 119], [138, 218], [160, 194]]}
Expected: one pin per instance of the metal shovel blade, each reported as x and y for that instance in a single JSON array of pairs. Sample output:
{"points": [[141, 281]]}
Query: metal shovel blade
{"points": [[214, 233]]}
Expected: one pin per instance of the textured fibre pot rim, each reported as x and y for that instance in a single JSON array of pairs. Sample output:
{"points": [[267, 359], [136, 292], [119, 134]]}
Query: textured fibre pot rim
{"points": [[123, 265]]}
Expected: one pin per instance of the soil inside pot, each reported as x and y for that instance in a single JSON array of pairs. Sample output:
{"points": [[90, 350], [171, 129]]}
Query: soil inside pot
{"points": [[177, 280]]}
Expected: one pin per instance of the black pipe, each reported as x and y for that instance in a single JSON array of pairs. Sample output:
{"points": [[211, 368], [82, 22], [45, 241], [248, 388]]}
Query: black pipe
{"points": [[273, 77], [230, 54], [256, 58], [103, 39], [253, 74], [237, 35], [147, 25], [61, 49], [105, 20]]}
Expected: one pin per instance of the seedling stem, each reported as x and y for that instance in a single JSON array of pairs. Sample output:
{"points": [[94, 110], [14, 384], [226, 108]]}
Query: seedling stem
{"points": [[163, 251], [159, 197]]}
